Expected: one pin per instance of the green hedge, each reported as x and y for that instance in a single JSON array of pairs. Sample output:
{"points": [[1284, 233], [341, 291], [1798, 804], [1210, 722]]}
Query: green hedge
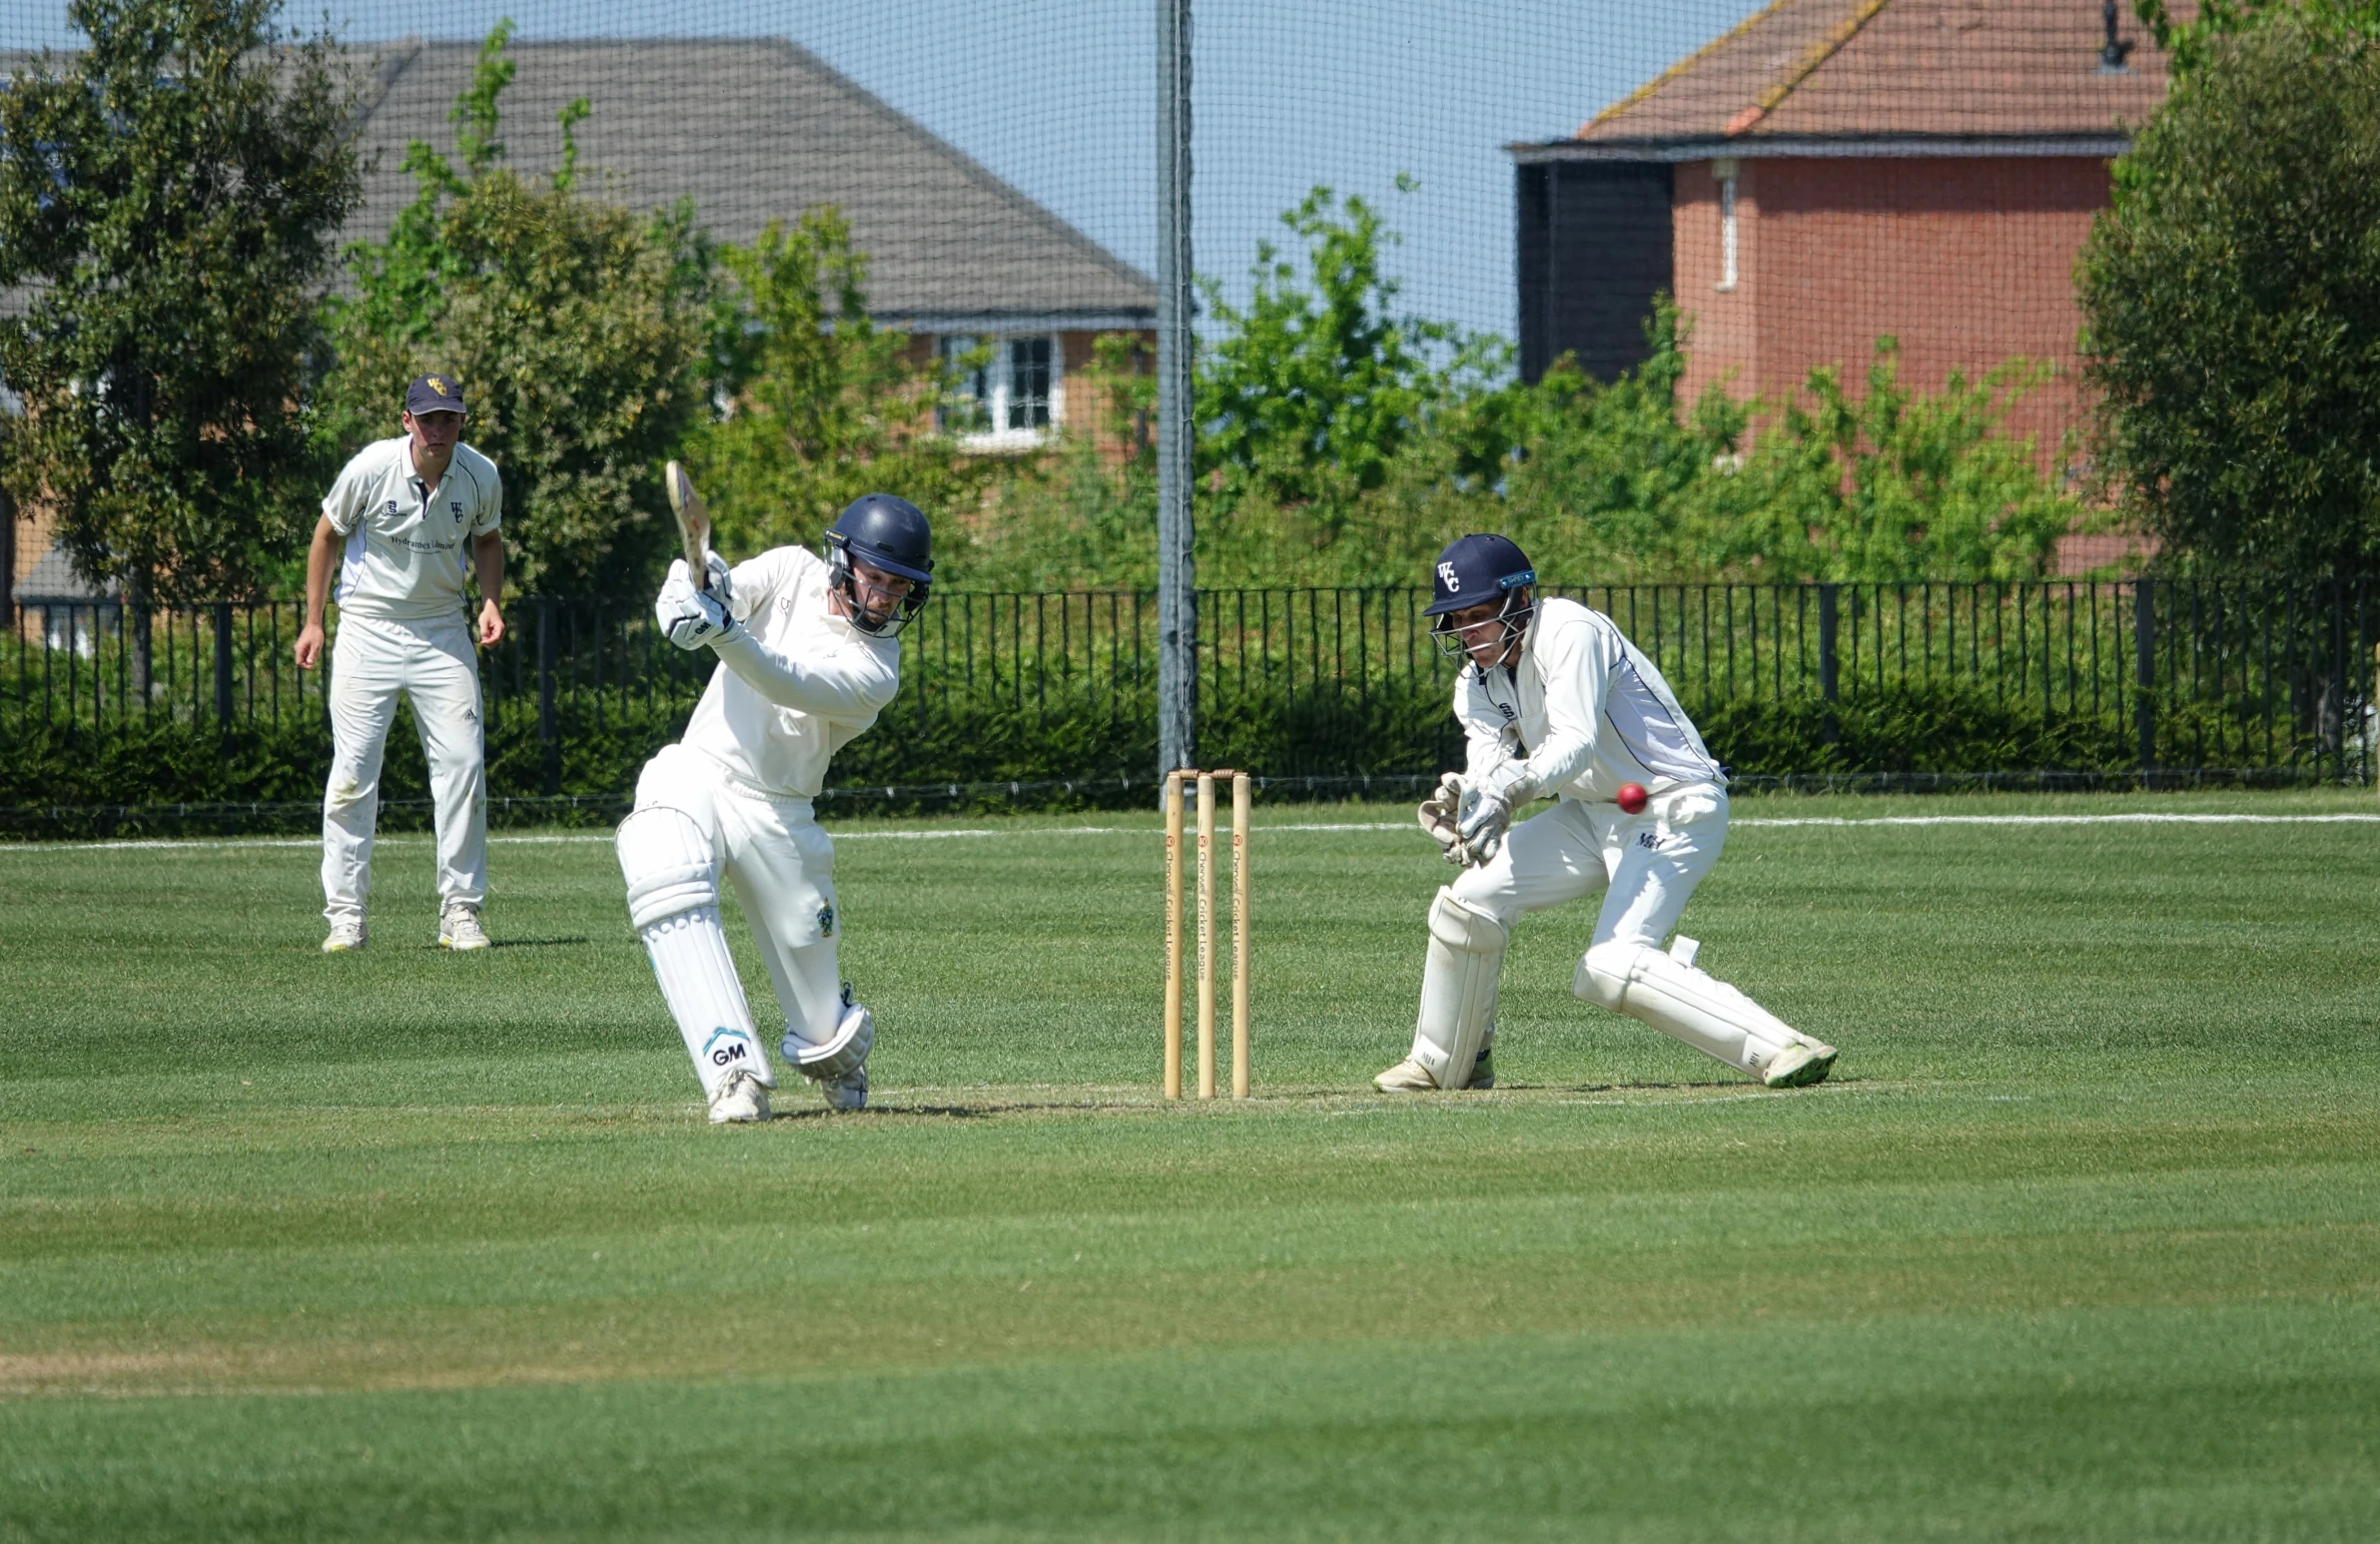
{"points": [[59, 779]]}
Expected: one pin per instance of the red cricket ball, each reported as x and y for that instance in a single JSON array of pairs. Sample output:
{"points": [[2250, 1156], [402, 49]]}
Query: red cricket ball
{"points": [[1631, 797]]}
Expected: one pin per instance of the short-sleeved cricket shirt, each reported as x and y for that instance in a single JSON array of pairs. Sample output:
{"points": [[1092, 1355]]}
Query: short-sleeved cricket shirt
{"points": [[407, 558]]}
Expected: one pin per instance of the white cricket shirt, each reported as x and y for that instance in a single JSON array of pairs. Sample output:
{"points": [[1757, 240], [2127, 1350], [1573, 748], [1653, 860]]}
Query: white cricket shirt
{"points": [[795, 683], [407, 558], [1580, 712]]}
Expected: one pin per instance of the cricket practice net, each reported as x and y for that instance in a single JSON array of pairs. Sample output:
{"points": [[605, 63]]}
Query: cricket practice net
{"points": [[1197, 329]]}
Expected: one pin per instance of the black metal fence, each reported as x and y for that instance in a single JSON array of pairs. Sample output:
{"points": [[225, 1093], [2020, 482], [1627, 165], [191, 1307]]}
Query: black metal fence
{"points": [[2182, 674]]}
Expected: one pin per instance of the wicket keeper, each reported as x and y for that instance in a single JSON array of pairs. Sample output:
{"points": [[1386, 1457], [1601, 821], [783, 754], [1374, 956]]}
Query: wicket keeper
{"points": [[1554, 700], [411, 524], [809, 655]]}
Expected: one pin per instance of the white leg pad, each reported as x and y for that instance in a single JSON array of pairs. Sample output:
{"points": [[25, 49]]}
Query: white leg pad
{"points": [[847, 1049], [1684, 1003], [667, 859], [705, 996], [1458, 989]]}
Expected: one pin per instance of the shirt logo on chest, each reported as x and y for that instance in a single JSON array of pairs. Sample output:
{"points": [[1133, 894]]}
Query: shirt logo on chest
{"points": [[457, 509]]}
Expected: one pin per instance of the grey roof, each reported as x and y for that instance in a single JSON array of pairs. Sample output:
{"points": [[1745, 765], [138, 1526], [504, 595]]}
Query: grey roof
{"points": [[752, 129], [755, 129], [53, 578]]}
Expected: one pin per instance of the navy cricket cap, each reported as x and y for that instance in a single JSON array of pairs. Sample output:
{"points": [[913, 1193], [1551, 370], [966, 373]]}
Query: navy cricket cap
{"points": [[1477, 568], [433, 393]]}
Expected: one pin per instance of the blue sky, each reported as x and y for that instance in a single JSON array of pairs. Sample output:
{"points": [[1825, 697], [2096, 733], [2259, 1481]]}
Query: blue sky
{"points": [[1057, 97]]}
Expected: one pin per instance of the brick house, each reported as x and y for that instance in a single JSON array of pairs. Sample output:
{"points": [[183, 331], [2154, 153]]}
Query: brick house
{"points": [[755, 129], [1832, 171]]}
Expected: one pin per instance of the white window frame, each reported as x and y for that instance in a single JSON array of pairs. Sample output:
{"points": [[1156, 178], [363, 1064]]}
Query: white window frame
{"points": [[998, 378], [1725, 170]]}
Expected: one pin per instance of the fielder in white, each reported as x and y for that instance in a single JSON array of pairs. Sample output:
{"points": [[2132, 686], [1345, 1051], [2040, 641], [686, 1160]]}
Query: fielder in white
{"points": [[409, 524], [808, 656], [1556, 701]]}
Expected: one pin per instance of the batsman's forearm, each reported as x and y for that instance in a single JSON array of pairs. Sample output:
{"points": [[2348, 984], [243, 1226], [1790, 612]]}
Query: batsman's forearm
{"points": [[790, 684]]}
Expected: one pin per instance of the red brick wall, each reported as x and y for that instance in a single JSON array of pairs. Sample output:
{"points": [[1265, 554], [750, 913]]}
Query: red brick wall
{"points": [[1967, 260]]}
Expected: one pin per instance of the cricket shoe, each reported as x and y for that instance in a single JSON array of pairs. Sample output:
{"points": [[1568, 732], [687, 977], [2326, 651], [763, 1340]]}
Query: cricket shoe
{"points": [[1406, 1077], [848, 1092], [742, 1098], [1483, 1069], [346, 936], [1799, 1064], [460, 930]]}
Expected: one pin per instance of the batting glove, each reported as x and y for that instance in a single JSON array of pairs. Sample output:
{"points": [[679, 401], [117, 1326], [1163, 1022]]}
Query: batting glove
{"points": [[717, 581], [1438, 815], [690, 617]]}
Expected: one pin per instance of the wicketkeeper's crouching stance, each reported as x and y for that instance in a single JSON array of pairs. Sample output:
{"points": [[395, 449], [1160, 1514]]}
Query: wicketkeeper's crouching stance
{"points": [[807, 658], [1556, 700]]}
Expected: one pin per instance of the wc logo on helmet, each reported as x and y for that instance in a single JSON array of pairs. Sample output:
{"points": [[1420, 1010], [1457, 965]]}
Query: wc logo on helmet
{"points": [[1447, 576], [826, 922], [738, 1046]]}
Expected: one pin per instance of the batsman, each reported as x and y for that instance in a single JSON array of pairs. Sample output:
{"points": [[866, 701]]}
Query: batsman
{"points": [[808, 655], [1555, 701]]}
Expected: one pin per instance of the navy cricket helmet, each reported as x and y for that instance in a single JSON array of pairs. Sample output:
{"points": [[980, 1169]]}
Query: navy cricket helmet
{"points": [[887, 534], [1475, 569]]}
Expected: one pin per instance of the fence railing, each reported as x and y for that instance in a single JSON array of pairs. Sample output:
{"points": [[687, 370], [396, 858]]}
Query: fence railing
{"points": [[2187, 674]]}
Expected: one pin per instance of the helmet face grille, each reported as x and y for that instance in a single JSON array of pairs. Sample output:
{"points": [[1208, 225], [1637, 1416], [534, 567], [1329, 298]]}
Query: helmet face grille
{"points": [[845, 582], [1514, 614], [887, 534]]}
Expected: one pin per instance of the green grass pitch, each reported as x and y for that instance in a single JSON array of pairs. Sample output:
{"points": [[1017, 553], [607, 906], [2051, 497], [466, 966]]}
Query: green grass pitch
{"points": [[2081, 1243]]}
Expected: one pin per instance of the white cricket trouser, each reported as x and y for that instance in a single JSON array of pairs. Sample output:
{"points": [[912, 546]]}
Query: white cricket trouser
{"points": [[1646, 864], [783, 868], [434, 665]]}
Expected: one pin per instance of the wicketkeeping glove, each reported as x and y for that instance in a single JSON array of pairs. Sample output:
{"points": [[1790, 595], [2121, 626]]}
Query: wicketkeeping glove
{"points": [[1484, 814], [1438, 814]]}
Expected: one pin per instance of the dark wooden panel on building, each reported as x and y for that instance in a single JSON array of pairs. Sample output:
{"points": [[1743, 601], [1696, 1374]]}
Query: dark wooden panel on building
{"points": [[1594, 250]]}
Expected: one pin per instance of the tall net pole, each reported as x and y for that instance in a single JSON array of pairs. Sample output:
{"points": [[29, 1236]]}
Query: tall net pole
{"points": [[1177, 578]]}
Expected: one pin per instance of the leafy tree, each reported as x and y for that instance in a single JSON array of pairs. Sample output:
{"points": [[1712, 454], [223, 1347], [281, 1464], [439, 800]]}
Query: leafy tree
{"points": [[1891, 486], [2231, 297], [2195, 40], [1608, 482], [821, 405], [1305, 396], [584, 336], [169, 196]]}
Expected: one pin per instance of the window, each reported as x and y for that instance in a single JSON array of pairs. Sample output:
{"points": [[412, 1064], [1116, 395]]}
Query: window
{"points": [[967, 397], [1028, 382], [1001, 393]]}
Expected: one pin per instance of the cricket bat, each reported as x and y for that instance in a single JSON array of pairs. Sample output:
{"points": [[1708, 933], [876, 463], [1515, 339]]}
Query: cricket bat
{"points": [[693, 524]]}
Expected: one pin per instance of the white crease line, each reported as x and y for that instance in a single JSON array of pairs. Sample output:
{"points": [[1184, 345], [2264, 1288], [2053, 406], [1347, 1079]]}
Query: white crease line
{"points": [[2141, 818], [2135, 818]]}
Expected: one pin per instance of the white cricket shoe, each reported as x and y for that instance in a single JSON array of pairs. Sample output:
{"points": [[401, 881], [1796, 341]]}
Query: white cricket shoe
{"points": [[460, 930], [346, 936], [1799, 1064], [1406, 1077], [742, 1098], [849, 1092]]}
